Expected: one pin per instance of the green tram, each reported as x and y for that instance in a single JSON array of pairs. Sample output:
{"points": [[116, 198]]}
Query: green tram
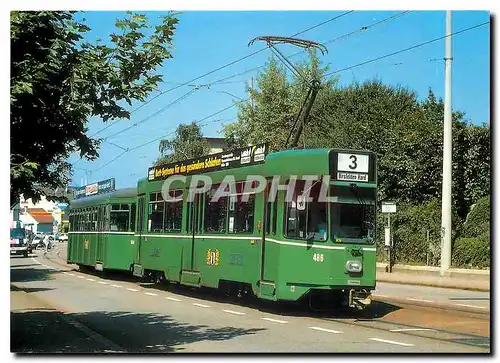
{"points": [[102, 230], [283, 249]]}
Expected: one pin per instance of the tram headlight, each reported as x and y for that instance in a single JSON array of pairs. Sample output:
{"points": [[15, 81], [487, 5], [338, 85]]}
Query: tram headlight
{"points": [[354, 266]]}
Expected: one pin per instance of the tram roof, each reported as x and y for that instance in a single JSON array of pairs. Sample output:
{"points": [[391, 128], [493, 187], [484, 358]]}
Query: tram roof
{"points": [[103, 198]]}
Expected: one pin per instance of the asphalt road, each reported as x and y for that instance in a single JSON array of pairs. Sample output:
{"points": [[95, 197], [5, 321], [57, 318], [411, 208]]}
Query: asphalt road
{"points": [[56, 309]]}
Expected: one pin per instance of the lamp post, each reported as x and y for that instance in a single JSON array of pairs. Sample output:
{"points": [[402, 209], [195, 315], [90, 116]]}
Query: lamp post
{"points": [[447, 148]]}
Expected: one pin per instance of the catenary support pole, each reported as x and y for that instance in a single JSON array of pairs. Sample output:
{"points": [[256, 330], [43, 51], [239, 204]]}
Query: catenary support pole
{"points": [[447, 147]]}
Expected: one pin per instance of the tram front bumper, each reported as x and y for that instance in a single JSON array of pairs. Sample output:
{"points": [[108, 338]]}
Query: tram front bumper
{"points": [[359, 298]]}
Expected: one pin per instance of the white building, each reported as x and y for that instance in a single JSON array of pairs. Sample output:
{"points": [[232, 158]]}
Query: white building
{"points": [[44, 216]]}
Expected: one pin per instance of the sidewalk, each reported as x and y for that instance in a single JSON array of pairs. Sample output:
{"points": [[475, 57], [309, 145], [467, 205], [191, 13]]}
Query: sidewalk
{"points": [[426, 276], [36, 327]]}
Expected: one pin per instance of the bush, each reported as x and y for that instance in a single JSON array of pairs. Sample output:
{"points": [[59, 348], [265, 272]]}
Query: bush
{"points": [[477, 222], [470, 252], [409, 226]]}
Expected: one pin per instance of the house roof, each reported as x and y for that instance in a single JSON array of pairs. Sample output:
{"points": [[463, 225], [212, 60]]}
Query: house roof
{"points": [[41, 215]]}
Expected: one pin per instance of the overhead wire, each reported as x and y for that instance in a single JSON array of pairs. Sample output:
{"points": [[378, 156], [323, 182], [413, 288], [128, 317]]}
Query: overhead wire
{"points": [[405, 49], [363, 28], [328, 74], [185, 95], [168, 134], [239, 60], [224, 66], [344, 36]]}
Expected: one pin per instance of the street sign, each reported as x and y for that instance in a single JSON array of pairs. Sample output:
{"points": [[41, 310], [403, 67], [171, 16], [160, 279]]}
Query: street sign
{"points": [[388, 207], [387, 236], [104, 186]]}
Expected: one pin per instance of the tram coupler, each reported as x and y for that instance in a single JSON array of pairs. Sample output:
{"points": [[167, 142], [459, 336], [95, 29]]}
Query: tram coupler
{"points": [[359, 298]]}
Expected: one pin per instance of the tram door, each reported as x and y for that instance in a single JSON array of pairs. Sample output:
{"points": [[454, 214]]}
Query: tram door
{"points": [[139, 224], [269, 230], [194, 218], [101, 227]]}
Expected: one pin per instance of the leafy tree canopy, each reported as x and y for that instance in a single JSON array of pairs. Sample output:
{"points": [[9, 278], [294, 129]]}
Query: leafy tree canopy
{"points": [[405, 133], [187, 143], [59, 81], [276, 103]]}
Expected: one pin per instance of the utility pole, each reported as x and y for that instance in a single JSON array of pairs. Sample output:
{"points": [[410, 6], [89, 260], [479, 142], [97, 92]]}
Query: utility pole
{"points": [[447, 147]]}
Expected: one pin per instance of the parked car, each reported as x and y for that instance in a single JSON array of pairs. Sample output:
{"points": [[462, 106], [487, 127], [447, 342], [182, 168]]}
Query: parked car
{"points": [[63, 237]]}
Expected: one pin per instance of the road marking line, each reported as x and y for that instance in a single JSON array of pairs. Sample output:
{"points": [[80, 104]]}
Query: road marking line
{"points": [[471, 306], [201, 305], [411, 329], [90, 280], [102, 282], [234, 312], [116, 285], [325, 330], [275, 320], [129, 289], [172, 298], [80, 277], [71, 274], [151, 294], [392, 342], [66, 273], [423, 300]]}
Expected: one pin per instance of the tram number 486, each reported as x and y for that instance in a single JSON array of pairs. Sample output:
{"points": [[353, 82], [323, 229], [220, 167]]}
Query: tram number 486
{"points": [[318, 257]]}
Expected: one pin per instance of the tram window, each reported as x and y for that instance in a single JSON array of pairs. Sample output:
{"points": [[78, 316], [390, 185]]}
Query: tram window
{"points": [[241, 212], [308, 221], [118, 218], [215, 212], [94, 219], [268, 217], [81, 221], [275, 217], [189, 206], [76, 222], [91, 220], [173, 213], [132, 217], [86, 226], [156, 214]]}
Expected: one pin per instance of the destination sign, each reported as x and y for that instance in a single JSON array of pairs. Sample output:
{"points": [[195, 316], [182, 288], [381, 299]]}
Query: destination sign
{"points": [[353, 166], [352, 177], [104, 186], [246, 156]]}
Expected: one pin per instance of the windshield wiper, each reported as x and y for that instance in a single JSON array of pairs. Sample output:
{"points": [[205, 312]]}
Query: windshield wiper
{"points": [[356, 194]]}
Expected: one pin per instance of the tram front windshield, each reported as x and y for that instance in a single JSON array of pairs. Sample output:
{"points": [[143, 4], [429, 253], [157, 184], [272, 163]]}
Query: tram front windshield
{"points": [[352, 214]]}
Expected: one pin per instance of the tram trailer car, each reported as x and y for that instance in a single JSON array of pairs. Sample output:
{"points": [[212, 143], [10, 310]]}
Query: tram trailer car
{"points": [[279, 250], [102, 230]]}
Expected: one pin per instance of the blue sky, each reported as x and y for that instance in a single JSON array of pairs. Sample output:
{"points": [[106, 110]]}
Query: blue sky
{"points": [[207, 40]]}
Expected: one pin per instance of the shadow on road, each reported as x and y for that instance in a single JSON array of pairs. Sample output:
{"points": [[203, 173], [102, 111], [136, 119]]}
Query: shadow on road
{"points": [[30, 274], [52, 331], [378, 309], [29, 289]]}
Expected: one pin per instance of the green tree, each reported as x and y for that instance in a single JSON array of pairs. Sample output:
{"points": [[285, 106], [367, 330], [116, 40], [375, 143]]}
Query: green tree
{"points": [[470, 155], [276, 102], [59, 81], [187, 143]]}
